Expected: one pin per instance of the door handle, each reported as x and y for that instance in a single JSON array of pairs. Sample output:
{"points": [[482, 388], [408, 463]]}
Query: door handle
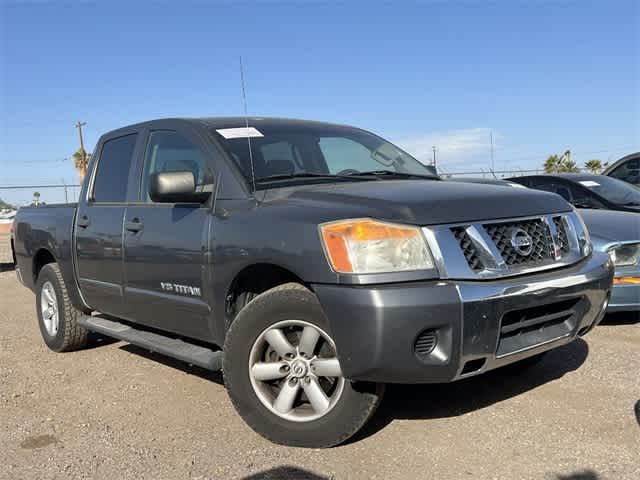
{"points": [[83, 221], [134, 225]]}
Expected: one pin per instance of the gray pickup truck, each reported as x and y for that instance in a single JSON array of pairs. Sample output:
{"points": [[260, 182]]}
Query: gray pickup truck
{"points": [[311, 263]]}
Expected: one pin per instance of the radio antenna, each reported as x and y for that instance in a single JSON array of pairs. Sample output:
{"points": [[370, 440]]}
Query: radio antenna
{"points": [[246, 123]]}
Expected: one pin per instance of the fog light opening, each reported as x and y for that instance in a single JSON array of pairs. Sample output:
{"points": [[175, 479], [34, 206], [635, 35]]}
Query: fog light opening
{"points": [[473, 366], [425, 343]]}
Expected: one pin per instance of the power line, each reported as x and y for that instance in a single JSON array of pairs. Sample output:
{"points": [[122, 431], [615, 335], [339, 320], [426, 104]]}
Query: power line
{"points": [[47, 161], [19, 187], [544, 155]]}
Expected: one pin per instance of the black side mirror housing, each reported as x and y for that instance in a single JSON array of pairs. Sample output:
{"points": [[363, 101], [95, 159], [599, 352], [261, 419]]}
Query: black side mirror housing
{"points": [[175, 187]]}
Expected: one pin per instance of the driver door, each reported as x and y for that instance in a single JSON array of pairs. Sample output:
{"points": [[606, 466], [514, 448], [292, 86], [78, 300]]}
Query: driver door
{"points": [[165, 244]]}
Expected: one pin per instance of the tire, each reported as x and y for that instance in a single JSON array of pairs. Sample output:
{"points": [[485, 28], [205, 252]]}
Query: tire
{"points": [[67, 335], [293, 309]]}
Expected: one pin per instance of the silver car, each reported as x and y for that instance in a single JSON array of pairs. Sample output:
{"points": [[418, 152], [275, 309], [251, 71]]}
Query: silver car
{"points": [[618, 233]]}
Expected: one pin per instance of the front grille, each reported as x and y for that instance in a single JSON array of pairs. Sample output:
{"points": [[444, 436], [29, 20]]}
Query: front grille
{"points": [[468, 248], [501, 248], [537, 229], [520, 329], [563, 239]]}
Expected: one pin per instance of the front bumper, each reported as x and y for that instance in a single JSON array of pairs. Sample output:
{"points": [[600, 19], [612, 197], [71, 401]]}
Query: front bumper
{"points": [[625, 298], [477, 325]]}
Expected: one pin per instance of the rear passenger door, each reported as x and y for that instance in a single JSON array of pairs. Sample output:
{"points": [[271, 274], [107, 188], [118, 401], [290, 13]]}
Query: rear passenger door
{"points": [[98, 228], [166, 243]]}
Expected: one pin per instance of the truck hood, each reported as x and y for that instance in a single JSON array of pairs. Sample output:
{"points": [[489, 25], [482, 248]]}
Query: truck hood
{"points": [[423, 202]]}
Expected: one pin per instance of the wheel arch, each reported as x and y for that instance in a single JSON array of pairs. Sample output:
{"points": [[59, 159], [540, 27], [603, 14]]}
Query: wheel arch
{"points": [[253, 280], [42, 257]]}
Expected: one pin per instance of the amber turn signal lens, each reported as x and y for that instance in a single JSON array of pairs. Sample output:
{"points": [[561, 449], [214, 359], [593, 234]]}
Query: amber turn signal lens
{"points": [[371, 246], [626, 281]]}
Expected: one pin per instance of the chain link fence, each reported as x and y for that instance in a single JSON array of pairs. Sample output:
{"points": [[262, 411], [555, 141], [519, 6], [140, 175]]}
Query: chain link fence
{"points": [[22, 195], [492, 173]]}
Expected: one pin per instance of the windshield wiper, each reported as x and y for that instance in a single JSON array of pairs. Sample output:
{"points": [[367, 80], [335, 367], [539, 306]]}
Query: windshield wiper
{"points": [[584, 204], [631, 204], [391, 173], [287, 176]]}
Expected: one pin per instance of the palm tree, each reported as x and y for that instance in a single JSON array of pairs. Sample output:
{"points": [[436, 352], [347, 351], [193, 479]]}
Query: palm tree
{"points": [[594, 166], [560, 163], [36, 198], [552, 164], [81, 162]]}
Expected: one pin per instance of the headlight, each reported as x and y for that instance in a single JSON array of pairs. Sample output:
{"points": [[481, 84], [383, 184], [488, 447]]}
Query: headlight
{"points": [[624, 255], [370, 246]]}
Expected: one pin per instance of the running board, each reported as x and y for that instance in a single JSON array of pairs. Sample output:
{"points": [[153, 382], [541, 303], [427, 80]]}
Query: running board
{"points": [[172, 347]]}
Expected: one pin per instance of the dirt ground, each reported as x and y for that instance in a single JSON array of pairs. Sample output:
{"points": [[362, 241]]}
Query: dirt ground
{"points": [[116, 411], [5, 249]]}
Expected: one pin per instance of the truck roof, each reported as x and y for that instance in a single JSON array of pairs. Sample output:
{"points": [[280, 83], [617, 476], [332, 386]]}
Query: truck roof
{"points": [[232, 122]]}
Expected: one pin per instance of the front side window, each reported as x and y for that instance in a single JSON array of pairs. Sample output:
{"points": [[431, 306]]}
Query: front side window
{"points": [[169, 151], [112, 174], [315, 149]]}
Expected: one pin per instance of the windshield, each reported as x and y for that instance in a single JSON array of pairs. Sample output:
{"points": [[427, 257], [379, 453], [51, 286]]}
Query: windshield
{"points": [[614, 190], [321, 151]]}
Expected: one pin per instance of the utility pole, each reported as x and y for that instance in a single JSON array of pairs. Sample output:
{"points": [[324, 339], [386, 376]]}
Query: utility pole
{"points": [[434, 157], [79, 126], [82, 171]]}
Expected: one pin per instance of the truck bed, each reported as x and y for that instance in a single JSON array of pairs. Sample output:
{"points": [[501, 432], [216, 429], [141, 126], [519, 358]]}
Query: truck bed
{"points": [[46, 228]]}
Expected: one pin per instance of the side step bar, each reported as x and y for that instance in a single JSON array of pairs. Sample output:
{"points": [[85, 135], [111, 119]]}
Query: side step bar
{"points": [[172, 347]]}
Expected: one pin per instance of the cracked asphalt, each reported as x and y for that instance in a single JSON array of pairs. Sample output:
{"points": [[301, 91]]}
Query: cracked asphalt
{"points": [[117, 411]]}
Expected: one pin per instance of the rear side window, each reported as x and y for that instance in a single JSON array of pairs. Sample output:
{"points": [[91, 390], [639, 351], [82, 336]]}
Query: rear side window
{"points": [[112, 175]]}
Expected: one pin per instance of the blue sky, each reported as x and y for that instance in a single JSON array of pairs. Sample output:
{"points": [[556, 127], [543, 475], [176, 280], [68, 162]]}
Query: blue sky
{"points": [[542, 76]]}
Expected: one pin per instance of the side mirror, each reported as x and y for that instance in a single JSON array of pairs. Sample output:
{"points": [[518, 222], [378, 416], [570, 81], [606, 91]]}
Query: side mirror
{"points": [[175, 187]]}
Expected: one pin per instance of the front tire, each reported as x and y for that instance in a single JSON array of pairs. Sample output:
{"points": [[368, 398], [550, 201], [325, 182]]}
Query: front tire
{"points": [[57, 317], [283, 375]]}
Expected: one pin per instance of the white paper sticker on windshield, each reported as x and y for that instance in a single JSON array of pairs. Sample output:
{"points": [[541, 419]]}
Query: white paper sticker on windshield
{"points": [[241, 132], [589, 183]]}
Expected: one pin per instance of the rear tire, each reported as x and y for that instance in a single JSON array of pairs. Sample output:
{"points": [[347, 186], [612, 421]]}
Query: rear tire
{"points": [[57, 317], [286, 327]]}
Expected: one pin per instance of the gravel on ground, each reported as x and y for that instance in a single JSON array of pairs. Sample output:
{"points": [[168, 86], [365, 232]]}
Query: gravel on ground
{"points": [[117, 411]]}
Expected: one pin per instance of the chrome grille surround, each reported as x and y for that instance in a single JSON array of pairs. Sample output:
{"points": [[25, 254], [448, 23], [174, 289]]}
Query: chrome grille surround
{"points": [[482, 250]]}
